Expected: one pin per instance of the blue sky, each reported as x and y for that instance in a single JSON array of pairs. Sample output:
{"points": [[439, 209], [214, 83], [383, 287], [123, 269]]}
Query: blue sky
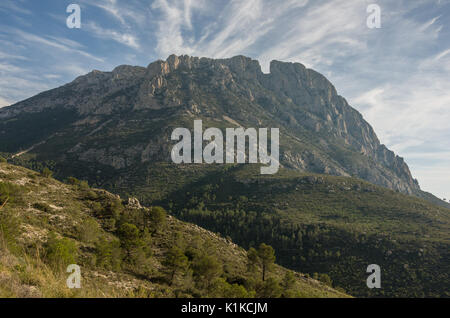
{"points": [[397, 76]]}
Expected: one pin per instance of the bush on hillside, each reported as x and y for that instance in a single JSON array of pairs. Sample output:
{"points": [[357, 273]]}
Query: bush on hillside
{"points": [[47, 173], [60, 252]]}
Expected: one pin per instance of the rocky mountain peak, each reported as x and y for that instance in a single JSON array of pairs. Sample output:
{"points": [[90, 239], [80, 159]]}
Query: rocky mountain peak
{"points": [[321, 132], [243, 65]]}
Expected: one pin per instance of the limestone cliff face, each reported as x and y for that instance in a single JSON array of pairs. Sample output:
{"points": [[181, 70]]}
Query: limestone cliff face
{"points": [[327, 112], [124, 118]]}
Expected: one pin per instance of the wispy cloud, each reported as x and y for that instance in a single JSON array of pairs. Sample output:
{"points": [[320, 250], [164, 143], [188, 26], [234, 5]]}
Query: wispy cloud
{"points": [[408, 104], [55, 42], [127, 13], [13, 6], [112, 8], [127, 39], [175, 17], [14, 81], [6, 56], [225, 31]]}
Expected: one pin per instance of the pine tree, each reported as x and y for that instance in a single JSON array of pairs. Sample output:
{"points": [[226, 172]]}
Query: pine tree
{"points": [[156, 219], [207, 268], [176, 261], [252, 259], [266, 255], [129, 238]]}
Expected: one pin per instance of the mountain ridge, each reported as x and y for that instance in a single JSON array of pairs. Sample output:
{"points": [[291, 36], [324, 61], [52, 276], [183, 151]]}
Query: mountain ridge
{"points": [[327, 134]]}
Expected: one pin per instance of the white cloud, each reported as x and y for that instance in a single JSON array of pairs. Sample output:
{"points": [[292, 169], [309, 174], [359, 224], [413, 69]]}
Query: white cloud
{"points": [[4, 68], [414, 108], [127, 12], [11, 6], [409, 108], [15, 87], [18, 80], [311, 32], [226, 31], [174, 17], [55, 42], [111, 7], [123, 38], [52, 76], [6, 56], [71, 70]]}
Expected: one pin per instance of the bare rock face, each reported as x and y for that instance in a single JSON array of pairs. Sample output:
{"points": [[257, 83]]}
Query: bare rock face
{"points": [[133, 203], [122, 119]]}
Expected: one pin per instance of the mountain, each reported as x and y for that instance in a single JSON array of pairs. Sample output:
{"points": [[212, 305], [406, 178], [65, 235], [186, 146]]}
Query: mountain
{"points": [[47, 225], [110, 121], [340, 201]]}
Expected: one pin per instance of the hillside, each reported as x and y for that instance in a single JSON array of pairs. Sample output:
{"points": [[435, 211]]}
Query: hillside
{"points": [[336, 224], [124, 249], [113, 126]]}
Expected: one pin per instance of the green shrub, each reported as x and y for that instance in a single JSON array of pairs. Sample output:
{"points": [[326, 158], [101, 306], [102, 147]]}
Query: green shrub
{"points": [[83, 184], [133, 243], [222, 288], [206, 270], [72, 180], [146, 239], [43, 207], [156, 219], [111, 209], [47, 173], [91, 195], [9, 192], [325, 278], [88, 231], [79, 183], [109, 224], [129, 236], [109, 254], [9, 228], [270, 289], [340, 289], [175, 262], [96, 208], [2, 159], [252, 260], [32, 175], [288, 280], [60, 252]]}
